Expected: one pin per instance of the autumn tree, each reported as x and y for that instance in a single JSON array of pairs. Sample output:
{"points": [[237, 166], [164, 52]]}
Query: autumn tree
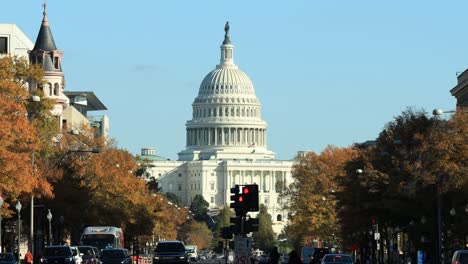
{"points": [[415, 159], [23, 126], [198, 234], [312, 197]]}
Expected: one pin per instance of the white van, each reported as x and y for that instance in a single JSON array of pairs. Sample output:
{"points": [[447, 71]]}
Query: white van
{"points": [[192, 252]]}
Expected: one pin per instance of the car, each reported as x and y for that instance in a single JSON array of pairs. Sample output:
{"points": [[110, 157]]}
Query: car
{"points": [[90, 255], [192, 252], [306, 254], [7, 258], [116, 256], [460, 257], [284, 259], [170, 251], [61, 255], [318, 254], [337, 258]]}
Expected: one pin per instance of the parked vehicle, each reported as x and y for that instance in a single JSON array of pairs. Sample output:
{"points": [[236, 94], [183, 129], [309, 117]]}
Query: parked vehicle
{"points": [[172, 252], [337, 258], [460, 257], [61, 255], [284, 259], [90, 254], [7, 258], [116, 256]]}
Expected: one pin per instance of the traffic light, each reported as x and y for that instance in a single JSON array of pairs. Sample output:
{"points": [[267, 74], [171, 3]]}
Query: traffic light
{"points": [[251, 225], [236, 225], [238, 201], [250, 197], [226, 233]]}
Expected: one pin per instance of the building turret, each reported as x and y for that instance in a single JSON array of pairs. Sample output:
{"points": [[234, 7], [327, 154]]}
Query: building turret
{"points": [[46, 54]]}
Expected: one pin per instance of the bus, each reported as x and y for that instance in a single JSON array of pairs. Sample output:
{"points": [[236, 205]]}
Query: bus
{"points": [[102, 237]]}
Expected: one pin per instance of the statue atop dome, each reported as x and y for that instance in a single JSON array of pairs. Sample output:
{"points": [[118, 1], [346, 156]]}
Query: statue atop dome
{"points": [[226, 28], [226, 35]]}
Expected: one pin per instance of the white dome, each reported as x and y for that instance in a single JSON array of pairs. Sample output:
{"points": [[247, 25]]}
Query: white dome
{"points": [[226, 81]]}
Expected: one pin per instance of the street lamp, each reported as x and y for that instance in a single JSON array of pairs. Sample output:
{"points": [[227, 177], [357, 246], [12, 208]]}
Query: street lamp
{"points": [[49, 217], [1, 203], [18, 209]]}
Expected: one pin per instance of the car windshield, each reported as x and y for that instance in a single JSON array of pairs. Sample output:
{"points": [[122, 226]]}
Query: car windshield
{"points": [[58, 251], [337, 259], [6, 257], [86, 250], [112, 254], [170, 247]]}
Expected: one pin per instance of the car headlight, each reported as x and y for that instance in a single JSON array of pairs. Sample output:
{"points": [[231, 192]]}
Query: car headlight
{"points": [[183, 257], [68, 259], [156, 257], [43, 260]]}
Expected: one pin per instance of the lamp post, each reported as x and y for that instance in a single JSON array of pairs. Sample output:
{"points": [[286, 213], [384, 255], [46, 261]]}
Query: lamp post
{"points": [[49, 217], [61, 219], [1, 203], [18, 209]]}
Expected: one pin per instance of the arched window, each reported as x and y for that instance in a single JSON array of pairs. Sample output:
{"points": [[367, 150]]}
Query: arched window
{"points": [[243, 112], [237, 112], [279, 218], [56, 89], [49, 92], [226, 110], [232, 111], [214, 112]]}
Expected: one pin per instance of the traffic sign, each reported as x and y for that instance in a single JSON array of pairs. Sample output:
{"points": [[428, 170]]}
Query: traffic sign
{"points": [[243, 246]]}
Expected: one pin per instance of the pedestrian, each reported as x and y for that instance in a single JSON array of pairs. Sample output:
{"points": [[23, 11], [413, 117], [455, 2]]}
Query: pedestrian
{"points": [[274, 256], [294, 258], [28, 258]]}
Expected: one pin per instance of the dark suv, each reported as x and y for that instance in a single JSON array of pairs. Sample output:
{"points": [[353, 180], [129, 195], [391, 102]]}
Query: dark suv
{"points": [[172, 252], [60, 255]]}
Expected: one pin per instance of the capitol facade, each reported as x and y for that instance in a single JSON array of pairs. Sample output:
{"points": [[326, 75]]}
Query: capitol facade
{"points": [[226, 144]]}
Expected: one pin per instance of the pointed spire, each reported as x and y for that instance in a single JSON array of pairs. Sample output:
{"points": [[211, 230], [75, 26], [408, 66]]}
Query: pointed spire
{"points": [[45, 22], [45, 40]]}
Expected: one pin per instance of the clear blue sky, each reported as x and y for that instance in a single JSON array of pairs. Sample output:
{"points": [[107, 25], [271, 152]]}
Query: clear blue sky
{"points": [[326, 72]]}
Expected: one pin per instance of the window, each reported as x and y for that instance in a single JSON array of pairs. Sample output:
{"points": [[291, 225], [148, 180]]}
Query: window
{"points": [[56, 89], [212, 199], [180, 174], [278, 218], [3, 45], [212, 186], [179, 187], [56, 62], [265, 201]]}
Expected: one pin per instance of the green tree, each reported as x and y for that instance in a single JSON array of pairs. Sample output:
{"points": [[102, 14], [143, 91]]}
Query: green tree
{"points": [[265, 237], [173, 197], [222, 219], [199, 207]]}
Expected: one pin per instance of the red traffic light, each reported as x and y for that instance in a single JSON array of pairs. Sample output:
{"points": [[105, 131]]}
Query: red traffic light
{"points": [[245, 190], [241, 199]]}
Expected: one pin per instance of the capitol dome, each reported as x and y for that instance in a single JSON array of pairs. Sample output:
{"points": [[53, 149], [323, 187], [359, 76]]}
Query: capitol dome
{"points": [[226, 117]]}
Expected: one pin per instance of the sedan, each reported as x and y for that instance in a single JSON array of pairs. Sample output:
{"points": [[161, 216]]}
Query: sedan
{"points": [[337, 258], [116, 256]]}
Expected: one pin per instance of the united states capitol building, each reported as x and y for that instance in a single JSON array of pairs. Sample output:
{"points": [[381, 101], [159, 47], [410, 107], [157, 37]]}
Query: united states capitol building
{"points": [[226, 144]]}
